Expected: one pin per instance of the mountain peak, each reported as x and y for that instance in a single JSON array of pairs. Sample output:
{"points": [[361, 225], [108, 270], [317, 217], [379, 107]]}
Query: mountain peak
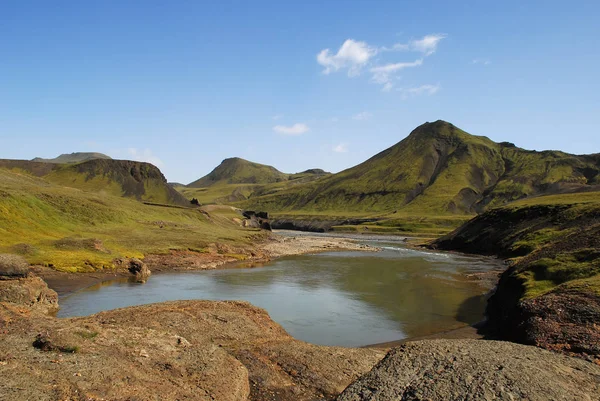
{"points": [[235, 170]]}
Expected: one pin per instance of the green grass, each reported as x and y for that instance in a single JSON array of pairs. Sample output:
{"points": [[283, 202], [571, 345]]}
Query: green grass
{"points": [[437, 170], [240, 171], [60, 226], [141, 181]]}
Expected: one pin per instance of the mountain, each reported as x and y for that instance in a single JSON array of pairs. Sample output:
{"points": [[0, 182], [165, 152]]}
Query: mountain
{"points": [[440, 169], [74, 230], [130, 179], [236, 179], [239, 171], [75, 157]]}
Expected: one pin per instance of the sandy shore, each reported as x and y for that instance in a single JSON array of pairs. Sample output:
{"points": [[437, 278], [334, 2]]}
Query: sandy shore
{"points": [[280, 245]]}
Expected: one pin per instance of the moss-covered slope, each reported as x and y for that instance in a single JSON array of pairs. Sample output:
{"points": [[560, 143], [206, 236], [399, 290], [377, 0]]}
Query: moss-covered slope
{"points": [[239, 171], [550, 295], [131, 179], [439, 169], [72, 229]]}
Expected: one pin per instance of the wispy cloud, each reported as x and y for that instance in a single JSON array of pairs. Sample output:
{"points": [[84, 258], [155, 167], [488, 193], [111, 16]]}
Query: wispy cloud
{"points": [[277, 117], [420, 90], [362, 116], [385, 73], [144, 155], [296, 129], [428, 44], [340, 148], [483, 61], [352, 55]]}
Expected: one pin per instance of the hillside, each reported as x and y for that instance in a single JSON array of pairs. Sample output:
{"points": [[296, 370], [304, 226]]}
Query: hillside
{"points": [[75, 157], [240, 171], [439, 169], [70, 229], [550, 295], [237, 179], [138, 180]]}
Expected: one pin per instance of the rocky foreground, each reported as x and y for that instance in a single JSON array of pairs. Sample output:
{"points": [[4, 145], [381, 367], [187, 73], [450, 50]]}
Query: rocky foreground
{"points": [[204, 350]]}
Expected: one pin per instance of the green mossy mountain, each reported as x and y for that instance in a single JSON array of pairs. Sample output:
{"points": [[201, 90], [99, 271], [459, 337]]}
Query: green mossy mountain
{"points": [[75, 157], [439, 169], [130, 179], [239, 171], [78, 230]]}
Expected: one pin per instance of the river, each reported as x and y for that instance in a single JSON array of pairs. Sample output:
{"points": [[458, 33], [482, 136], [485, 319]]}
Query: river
{"points": [[333, 298]]}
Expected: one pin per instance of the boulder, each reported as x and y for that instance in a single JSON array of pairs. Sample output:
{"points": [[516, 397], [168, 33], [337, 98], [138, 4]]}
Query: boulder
{"points": [[13, 266], [139, 270], [475, 370], [31, 291]]}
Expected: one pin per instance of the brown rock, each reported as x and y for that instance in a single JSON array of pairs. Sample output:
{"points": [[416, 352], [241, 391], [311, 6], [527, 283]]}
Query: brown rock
{"points": [[32, 292], [13, 266], [139, 270]]}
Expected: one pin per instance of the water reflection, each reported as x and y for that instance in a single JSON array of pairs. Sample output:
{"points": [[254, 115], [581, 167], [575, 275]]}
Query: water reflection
{"points": [[339, 298]]}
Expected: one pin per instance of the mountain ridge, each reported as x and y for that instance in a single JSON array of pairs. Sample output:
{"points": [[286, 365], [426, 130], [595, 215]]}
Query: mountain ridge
{"points": [[75, 157], [439, 168], [126, 178]]}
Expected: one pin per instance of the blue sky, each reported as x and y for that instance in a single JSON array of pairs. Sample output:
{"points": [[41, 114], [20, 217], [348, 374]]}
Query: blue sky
{"points": [[297, 85]]}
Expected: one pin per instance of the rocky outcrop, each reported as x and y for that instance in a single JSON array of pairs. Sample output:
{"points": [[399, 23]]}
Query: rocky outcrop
{"points": [[565, 321], [139, 270], [256, 220], [233, 351], [550, 294], [29, 291], [475, 370], [316, 226], [13, 266], [197, 350]]}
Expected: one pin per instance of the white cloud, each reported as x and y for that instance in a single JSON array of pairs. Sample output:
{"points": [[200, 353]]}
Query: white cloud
{"points": [[427, 45], [340, 148], [483, 61], [352, 55], [362, 116], [385, 73], [144, 155], [420, 90], [277, 117], [296, 129]]}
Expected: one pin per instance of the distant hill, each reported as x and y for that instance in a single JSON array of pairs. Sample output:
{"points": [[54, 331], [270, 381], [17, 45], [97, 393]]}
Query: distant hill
{"points": [[75, 157], [239, 171], [131, 179], [440, 169]]}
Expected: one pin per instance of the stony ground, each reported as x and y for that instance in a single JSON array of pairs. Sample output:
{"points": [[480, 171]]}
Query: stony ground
{"points": [[186, 350], [230, 351], [476, 370]]}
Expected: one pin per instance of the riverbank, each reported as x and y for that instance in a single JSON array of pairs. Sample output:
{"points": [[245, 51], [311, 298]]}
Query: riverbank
{"points": [[217, 257], [233, 351]]}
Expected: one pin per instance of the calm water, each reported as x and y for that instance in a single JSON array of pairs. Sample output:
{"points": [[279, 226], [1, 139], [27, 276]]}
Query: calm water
{"points": [[337, 298]]}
